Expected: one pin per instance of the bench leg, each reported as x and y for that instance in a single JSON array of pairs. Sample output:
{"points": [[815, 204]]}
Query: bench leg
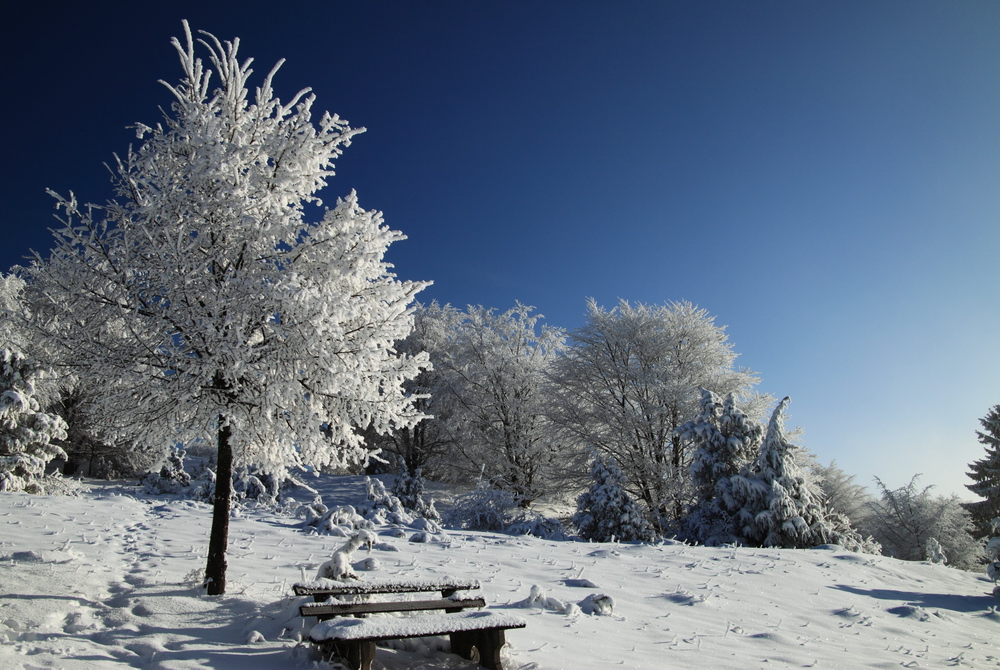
{"points": [[487, 642], [359, 655]]}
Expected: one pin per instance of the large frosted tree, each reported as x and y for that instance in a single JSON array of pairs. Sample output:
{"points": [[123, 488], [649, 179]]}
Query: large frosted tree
{"points": [[225, 304], [631, 378], [985, 475]]}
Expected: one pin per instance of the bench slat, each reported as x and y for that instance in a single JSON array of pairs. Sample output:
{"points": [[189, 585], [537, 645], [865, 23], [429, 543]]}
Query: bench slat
{"points": [[336, 587], [424, 625], [347, 609]]}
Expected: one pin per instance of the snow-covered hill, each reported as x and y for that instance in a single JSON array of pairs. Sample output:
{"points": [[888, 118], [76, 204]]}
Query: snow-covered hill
{"points": [[106, 579]]}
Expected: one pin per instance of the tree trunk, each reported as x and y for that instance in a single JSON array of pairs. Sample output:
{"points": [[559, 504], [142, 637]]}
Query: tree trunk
{"points": [[215, 572]]}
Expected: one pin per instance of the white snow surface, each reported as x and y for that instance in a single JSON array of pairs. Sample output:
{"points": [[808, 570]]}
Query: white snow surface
{"points": [[108, 579]]}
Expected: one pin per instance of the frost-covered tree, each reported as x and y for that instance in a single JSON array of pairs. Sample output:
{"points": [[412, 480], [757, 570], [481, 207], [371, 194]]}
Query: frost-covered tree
{"points": [[605, 511], [221, 299], [494, 370], [427, 445], [841, 494], [905, 520], [12, 313], [985, 475], [630, 379], [777, 505], [27, 434]]}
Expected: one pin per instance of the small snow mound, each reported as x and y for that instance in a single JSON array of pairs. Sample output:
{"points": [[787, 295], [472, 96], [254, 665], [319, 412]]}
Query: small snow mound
{"points": [[369, 565], [26, 557], [605, 553], [580, 583], [384, 546], [255, 637], [848, 612], [992, 613], [684, 598], [539, 599], [598, 604], [911, 612]]}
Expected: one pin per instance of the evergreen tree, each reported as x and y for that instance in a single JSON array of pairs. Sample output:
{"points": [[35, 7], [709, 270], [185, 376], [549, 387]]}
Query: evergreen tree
{"points": [[27, 435], [606, 511], [985, 474], [725, 439], [778, 507]]}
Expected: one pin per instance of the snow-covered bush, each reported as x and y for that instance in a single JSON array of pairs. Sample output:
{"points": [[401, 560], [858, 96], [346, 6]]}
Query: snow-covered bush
{"points": [[410, 491], [484, 508], [381, 508], [172, 478], [905, 520], [27, 434], [542, 527], [606, 511], [993, 556]]}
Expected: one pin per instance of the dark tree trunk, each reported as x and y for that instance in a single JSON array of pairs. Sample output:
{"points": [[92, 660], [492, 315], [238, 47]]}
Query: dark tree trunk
{"points": [[215, 572]]}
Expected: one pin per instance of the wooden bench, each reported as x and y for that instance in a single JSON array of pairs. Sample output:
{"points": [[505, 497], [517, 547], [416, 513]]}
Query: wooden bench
{"points": [[344, 633]]}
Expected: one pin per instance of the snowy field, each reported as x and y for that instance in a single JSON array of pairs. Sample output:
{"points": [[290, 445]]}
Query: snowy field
{"points": [[106, 580]]}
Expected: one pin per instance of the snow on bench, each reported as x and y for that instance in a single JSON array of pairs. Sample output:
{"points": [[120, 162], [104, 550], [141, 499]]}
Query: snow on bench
{"points": [[354, 639], [421, 625]]}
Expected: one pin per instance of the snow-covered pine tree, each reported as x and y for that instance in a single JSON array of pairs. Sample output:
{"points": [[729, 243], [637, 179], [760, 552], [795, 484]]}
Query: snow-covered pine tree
{"points": [[27, 434], [725, 440], [606, 511], [777, 507], [985, 474], [218, 304]]}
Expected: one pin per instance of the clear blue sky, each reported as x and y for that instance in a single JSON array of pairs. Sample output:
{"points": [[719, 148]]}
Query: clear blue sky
{"points": [[821, 176]]}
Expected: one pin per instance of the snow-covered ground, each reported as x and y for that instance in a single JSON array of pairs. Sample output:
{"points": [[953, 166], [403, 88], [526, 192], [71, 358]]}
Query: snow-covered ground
{"points": [[106, 579]]}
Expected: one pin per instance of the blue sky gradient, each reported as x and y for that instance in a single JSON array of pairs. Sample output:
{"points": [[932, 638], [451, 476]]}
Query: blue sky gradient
{"points": [[823, 177]]}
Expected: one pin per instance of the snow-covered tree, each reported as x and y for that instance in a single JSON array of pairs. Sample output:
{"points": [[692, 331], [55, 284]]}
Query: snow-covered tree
{"points": [[905, 520], [12, 313], [777, 505], [427, 445], [725, 439], [605, 511], [841, 494], [632, 377], [27, 434], [494, 370], [220, 298], [985, 475]]}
